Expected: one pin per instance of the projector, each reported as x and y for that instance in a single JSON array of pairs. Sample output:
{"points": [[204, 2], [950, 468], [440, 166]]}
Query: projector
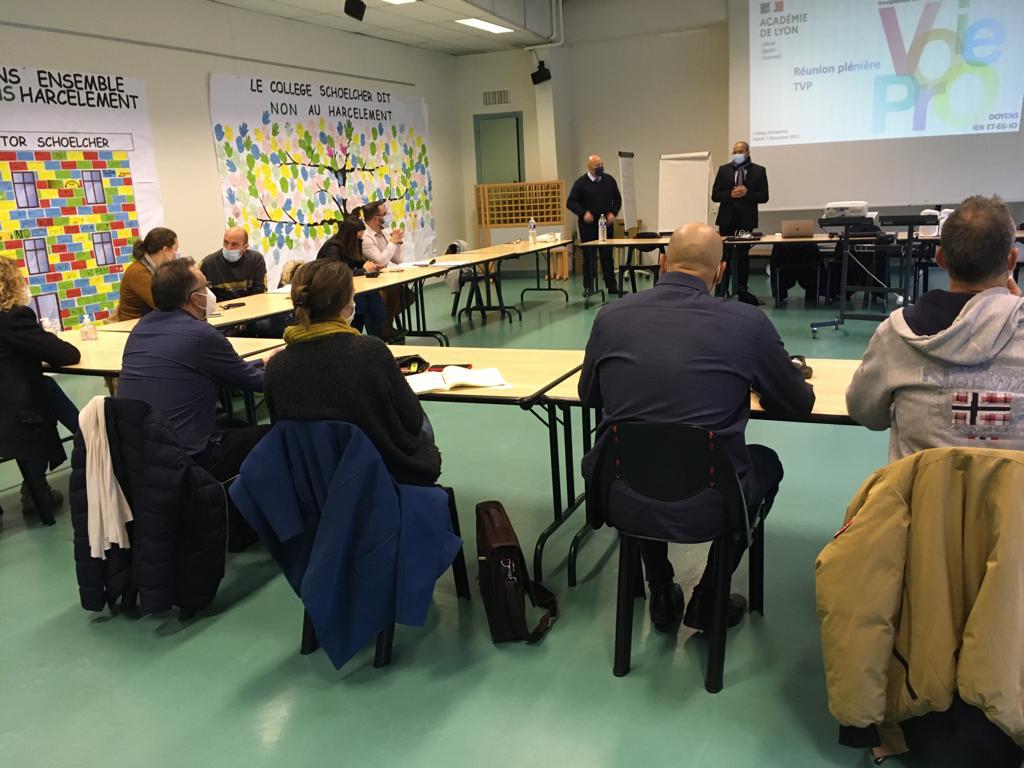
{"points": [[846, 209]]}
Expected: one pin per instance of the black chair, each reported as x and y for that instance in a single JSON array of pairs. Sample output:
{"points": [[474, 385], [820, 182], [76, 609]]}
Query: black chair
{"points": [[631, 268], [801, 259], [386, 639], [469, 275], [674, 463]]}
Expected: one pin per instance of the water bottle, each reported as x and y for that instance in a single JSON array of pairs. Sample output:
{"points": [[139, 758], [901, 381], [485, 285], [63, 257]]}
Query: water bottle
{"points": [[602, 230], [88, 330], [532, 227]]}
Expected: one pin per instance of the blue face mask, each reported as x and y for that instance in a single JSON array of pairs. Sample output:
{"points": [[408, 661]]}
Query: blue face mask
{"points": [[739, 159], [231, 256]]}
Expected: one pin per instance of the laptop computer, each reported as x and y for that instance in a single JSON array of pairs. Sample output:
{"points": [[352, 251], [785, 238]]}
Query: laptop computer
{"points": [[798, 228]]}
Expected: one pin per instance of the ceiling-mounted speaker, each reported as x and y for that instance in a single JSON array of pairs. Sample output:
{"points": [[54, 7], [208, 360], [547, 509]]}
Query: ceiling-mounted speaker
{"points": [[542, 75], [355, 8]]}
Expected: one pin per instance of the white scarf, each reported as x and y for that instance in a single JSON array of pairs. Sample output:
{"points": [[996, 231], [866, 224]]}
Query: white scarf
{"points": [[108, 508]]}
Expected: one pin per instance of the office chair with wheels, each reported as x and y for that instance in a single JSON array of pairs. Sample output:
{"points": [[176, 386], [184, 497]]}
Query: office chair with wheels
{"points": [[668, 482]]}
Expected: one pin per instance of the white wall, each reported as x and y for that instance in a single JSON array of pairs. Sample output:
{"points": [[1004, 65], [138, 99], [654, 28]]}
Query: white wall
{"points": [[651, 78], [177, 85], [508, 70]]}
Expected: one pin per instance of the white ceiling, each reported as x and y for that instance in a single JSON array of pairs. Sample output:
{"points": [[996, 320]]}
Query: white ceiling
{"points": [[426, 24]]}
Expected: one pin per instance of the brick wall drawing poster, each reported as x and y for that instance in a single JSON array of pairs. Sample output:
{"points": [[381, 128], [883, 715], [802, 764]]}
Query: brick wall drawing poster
{"points": [[77, 185], [296, 157]]}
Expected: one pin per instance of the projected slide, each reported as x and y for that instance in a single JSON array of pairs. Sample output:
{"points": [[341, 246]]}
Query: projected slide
{"points": [[823, 71]]}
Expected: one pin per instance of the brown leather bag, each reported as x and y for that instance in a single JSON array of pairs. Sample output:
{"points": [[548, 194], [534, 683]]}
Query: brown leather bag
{"points": [[504, 581]]}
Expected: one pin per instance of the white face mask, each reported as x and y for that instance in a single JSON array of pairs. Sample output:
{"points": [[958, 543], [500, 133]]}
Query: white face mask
{"points": [[210, 303], [350, 312], [231, 256]]}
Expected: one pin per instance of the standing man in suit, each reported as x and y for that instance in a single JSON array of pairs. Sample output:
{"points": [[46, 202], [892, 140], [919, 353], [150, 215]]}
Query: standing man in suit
{"points": [[740, 187], [595, 195]]}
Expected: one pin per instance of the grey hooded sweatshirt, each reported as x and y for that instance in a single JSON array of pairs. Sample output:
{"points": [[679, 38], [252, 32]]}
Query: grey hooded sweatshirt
{"points": [[963, 386]]}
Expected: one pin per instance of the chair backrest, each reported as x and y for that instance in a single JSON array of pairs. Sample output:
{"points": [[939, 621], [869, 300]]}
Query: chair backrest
{"points": [[647, 236], [288, 271], [667, 463]]}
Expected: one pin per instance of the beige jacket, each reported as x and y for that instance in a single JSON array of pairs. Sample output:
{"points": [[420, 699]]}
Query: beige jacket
{"points": [[922, 592]]}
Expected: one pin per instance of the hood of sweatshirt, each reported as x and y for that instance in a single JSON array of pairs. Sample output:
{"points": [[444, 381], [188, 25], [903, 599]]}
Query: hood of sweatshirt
{"points": [[983, 328]]}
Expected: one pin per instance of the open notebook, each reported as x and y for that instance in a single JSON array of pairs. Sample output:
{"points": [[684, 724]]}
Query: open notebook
{"points": [[453, 376]]}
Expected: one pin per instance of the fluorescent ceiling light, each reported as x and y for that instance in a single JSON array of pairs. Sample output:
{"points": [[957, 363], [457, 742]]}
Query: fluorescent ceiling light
{"points": [[486, 26], [399, 2]]}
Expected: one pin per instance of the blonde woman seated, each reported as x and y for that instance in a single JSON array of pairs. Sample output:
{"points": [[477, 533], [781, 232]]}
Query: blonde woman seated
{"points": [[329, 371]]}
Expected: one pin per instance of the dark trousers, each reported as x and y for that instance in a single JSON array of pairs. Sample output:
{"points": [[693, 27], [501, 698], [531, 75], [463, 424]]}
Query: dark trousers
{"points": [[760, 483], [67, 414], [223, 456], [589, 233], [226, 450], [607, 268], [372, 313], [740, 259]]}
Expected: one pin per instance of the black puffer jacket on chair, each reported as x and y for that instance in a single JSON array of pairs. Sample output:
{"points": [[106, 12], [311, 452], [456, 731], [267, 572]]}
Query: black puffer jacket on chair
{"points": [[179, 527]]}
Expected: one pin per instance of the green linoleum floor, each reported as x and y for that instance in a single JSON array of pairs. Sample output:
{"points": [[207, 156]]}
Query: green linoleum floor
{"points": [[230, 689]]}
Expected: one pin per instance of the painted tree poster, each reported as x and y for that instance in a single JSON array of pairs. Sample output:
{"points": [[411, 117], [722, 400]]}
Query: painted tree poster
{"points": [[77, 185], [297, 157]]}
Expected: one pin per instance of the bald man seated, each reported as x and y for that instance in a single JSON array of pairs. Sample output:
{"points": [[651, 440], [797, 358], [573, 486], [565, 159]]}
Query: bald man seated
{"points": [[235, 270], [676, 354]]}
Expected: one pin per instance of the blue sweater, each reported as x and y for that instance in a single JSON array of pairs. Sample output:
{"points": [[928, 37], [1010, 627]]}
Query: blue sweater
{"points": [[177, 363]]}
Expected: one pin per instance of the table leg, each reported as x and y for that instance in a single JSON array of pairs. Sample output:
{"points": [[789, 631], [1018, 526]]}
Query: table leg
{"points": [[550, 288], [585, 529], [500, 307], [416, 324], [560, 514]]}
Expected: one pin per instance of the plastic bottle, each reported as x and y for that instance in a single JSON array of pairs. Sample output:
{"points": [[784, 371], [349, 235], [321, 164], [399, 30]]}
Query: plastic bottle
{"points": [[88, 330], [532, 227], [602, 230]]}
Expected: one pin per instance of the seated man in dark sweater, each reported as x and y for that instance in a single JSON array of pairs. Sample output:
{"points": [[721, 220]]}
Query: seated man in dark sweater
{"points": [[593, 197], [235, 270], [177, 362], [676, 354], [330, 371]]}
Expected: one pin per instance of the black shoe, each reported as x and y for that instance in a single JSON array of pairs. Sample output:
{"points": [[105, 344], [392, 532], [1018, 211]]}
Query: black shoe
{"points": [[28, 504], [698, 612], [748, 298], [666, 607]]}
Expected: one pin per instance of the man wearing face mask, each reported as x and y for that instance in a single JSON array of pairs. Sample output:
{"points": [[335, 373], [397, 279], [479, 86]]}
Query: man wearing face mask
{"points": [[383, 247], [177, 362], [595, 196], [739, 188], [235, 270]]}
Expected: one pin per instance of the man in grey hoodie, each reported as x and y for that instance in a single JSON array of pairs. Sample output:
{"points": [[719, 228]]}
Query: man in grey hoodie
{"points": [[949, 370]]}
